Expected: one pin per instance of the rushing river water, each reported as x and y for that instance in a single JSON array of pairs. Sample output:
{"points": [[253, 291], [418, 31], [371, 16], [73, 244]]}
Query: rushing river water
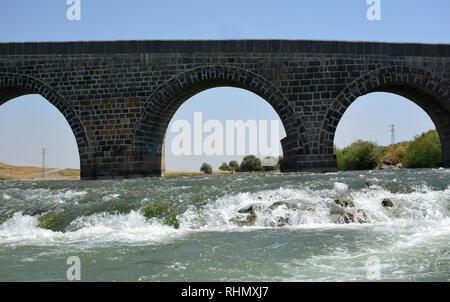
{"points": [[291, 234]]}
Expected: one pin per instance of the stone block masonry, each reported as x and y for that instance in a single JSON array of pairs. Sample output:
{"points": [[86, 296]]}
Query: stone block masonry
{"points": [[119, 96]]}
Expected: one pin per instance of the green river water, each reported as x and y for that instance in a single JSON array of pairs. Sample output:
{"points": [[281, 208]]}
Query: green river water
{"points": [[294, 235]]}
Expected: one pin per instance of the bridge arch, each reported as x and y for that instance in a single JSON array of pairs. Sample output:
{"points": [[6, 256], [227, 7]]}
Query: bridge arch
{"points": [[162, 104], [417, 85], [14, 85]]}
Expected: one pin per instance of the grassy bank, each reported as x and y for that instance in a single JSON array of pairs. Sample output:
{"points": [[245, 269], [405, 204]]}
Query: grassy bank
{"points": [[424, 151]]}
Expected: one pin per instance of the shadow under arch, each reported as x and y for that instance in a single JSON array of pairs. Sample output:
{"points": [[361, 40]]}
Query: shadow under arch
{"points": [[162, 104], [15, 85], [417, 85]]}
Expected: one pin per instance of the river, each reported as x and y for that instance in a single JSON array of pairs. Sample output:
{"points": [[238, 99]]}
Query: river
{"points": [[257, 227]]}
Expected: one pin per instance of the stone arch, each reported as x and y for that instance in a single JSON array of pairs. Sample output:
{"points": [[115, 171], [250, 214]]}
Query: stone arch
{"points": [[162, 104], [14, 85], [417, 85]]}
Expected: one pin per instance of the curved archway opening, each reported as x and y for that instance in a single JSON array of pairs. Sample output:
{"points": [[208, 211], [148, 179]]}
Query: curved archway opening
{"points": [[220, 125], [389, 121], [30, 124], [164, 101], [371, 116], [419, 86]]}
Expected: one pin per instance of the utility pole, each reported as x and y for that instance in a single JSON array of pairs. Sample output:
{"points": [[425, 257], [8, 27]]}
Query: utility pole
{"points": [[392, 134], [43, 162]]}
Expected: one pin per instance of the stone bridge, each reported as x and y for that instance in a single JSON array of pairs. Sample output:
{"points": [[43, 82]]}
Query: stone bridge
{"points": [[119, 96]]}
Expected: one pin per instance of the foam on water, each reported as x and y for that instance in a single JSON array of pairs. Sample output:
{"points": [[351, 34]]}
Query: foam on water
{"points": [[414, 230], [102, 227], [283, 207]]}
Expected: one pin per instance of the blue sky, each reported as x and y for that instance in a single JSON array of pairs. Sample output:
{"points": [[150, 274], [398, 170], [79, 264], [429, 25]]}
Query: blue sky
{"points": [[45, 20], [401, 20]]}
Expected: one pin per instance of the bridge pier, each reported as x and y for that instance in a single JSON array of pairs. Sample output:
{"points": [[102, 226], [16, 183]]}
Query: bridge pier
{"points": [[298, 160], [444, 136]]}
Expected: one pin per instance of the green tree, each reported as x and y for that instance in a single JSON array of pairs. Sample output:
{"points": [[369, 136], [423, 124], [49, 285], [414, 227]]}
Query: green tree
{"points": [[224, 167], [337, 151], [360, 155], [234, 166], [205, 168], [424, 152], [250, 163]]}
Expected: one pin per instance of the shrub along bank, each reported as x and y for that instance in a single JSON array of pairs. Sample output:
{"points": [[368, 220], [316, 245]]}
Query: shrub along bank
{"points": [[422, 152]]}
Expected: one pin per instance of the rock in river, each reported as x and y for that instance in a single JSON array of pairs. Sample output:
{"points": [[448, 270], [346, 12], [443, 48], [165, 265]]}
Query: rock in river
{"points": [[289, 205], [344, 203], [250, 209], [347, 217], [248, 220], [387, 203]]}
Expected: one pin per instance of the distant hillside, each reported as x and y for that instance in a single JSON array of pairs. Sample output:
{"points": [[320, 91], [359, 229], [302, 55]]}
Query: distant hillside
{"points": [[18, 170], [10, 172]]}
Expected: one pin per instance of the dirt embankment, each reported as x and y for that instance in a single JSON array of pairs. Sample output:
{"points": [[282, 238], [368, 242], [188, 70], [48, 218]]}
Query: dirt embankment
{"points": [[13, 173]]}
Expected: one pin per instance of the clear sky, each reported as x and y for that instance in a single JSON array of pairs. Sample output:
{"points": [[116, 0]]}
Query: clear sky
{"points": [[29, 123]]}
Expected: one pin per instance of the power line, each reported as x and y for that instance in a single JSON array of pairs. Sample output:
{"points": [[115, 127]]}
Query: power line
{"points": [[392, 134], [43, 162]]}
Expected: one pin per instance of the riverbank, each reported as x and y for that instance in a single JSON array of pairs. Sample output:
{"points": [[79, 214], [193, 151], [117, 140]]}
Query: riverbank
{"points": [[187, 173], [425, 151], [15, 173], [22, 173]]}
